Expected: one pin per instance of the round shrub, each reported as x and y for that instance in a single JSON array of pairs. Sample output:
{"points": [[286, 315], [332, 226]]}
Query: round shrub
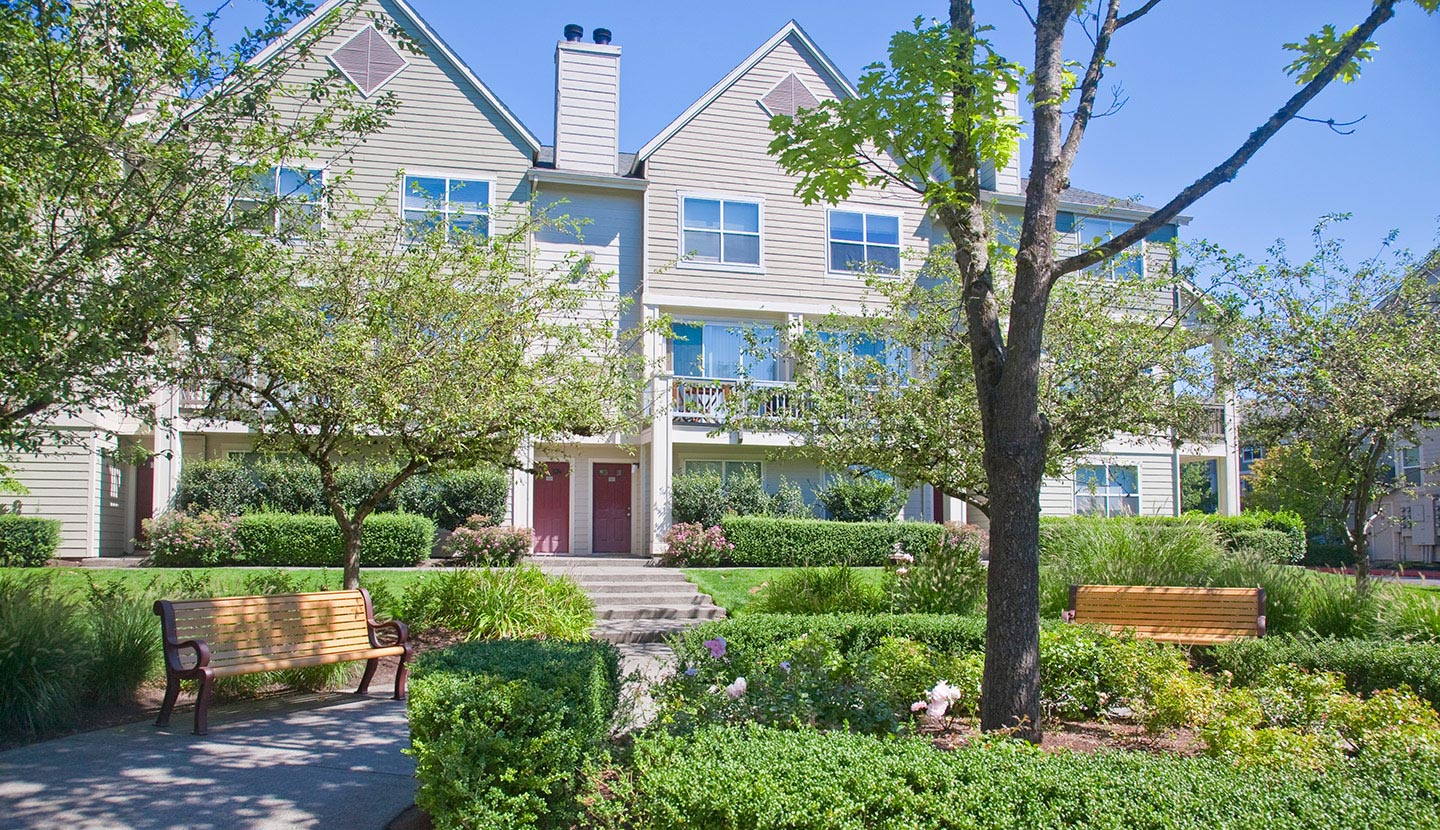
{"points": [[27, 541], [745, 495], [693, 545], [183, 540], [453, 497], [1270, 545], [861, 499], [480, 543], [290, 487], [222, 487], [697, 498]]}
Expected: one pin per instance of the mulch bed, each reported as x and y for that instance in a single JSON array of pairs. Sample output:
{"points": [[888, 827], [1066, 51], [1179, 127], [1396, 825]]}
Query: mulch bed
{"points": [[1087, 737]]}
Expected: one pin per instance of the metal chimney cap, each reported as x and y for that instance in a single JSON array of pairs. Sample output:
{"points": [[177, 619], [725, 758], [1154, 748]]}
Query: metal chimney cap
{"points": [[574, 32], [602, 36]]}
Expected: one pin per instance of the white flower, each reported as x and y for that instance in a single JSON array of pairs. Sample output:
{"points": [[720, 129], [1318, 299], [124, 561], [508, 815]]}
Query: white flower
{"points": [[736, 689], [946, 692], [901, 571], [936, 708]]}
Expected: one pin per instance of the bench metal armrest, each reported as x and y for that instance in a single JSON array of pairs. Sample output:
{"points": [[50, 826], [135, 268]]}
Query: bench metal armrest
{"points": [[172, 655], [402, 632]]}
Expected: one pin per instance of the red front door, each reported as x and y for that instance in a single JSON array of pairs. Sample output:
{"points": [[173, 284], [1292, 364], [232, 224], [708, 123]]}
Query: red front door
{"points": [[552, 509], [612, 508]]}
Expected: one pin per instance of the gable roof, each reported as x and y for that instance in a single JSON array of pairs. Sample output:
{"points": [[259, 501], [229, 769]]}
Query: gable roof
{"points": [[414, 19], [791, 28]]}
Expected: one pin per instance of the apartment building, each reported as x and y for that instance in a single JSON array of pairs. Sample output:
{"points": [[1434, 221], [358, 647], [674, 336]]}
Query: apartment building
{"points": [[699, 224]]}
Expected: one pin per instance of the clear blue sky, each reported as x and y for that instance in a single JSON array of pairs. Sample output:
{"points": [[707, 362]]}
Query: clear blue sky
{"points": [[1199, 77]]}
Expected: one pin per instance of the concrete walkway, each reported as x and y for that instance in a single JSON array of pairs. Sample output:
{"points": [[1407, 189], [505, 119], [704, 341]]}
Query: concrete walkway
{"points": [[330, 760]]}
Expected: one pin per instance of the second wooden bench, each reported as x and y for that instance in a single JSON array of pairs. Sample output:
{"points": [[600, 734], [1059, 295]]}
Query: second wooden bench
{"points": [[1191, 616]]}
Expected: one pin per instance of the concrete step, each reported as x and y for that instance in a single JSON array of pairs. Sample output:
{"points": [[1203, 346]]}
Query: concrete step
{"points": [[638, 631], [642, 597], [659, 612], [604, 574], [638, 586]]}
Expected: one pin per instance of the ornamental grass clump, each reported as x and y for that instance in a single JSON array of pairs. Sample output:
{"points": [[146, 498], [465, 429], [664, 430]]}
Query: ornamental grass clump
{"points": [[945, 577], [498, 603], [691, 544], [480, 542]]}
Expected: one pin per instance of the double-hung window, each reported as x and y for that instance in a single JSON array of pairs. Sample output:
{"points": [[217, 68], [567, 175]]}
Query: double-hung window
{"points": [[725, 470], [298, 197], [1408, 472], [459, 206], [722, 231], [725, 351], [864, 242], [1092, 231], [1107, 490]]}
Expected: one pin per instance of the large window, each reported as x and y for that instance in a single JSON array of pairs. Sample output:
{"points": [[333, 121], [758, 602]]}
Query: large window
{"points": [[725, 469], [864, 241], [457, 205], [1408, 472], [1092, 231], [860, 348], [297, 195], [725, 351], [724, 231], [1107, 490]]}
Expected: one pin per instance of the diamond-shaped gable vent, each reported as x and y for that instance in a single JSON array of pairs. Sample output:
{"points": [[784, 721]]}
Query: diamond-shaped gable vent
{"points": [[368, 60], [788, 97]]}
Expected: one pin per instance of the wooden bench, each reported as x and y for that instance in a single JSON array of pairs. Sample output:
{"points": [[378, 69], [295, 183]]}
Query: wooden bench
{"points": [[210, 638], [1192, 616]]}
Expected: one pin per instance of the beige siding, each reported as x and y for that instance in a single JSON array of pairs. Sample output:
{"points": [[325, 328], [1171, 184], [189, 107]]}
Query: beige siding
{"points": [[62, 484], [611, 235], [442, 126], [1409, 530], [587, 107], [723, 151]]}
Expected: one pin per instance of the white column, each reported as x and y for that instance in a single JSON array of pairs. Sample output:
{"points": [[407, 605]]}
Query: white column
{"points": [[167, 460], [1227, 469], [522, 490], [662, 442]]}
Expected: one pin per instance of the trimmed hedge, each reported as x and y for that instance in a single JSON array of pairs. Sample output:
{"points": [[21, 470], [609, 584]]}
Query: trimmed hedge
{"points": [[754, 633], [759, 779], [763, 541], [27, 541], [388, 540], [1368, 665], [501, 730]]}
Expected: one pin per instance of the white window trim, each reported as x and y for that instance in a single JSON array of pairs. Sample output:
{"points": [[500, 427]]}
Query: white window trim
{"points": [[732, 267], [724, 461], [323, 202], [831, 271], [739, 322], [488, 178], [404, 62], [1082, 243], [1139, 485], [1402, 469]]}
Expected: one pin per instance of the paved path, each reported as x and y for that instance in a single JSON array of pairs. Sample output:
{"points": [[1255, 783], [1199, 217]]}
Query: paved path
{"points": [[321, 761]]}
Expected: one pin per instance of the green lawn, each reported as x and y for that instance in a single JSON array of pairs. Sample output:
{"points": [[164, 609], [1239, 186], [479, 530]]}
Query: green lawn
{"points": [[224, 581], [734, 588]]}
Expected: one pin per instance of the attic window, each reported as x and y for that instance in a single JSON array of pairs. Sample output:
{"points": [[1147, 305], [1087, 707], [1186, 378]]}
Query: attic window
{"points": [[788, 97], [368, 60]]}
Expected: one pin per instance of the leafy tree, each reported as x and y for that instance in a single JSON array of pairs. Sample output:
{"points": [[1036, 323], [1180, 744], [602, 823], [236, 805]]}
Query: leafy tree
{"points": [[431, 351], [1197, 490], [126, 129], [930, 121], [1290, 477], [1344, 368]]}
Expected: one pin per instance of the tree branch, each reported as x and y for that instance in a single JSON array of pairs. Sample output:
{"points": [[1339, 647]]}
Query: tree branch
{"points": [[1088, 88], [1126, 20], [1230, 167]]}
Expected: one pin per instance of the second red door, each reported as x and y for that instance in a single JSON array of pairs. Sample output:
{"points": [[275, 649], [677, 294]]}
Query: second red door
{"points": [[612, 507]]}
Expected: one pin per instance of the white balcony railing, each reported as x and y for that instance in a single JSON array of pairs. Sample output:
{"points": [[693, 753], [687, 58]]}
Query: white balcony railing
{"points": [[708, 401]]}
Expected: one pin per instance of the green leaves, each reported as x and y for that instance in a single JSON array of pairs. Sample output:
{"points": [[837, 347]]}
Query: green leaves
{"points": [[1319, 49]]}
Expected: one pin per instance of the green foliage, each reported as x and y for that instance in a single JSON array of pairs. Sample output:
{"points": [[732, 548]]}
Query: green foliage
{"points": [[283, 487], [500, 730], [184, 540], [745, 495], [504, 603], [1122, 552], [388, 540], [837, 589], [1197, 491], [1268, 545], [225, 488], [767, 779], [110, 266], [788, 502], [750, 636], [1327, 555], [861, 499], [1084, 672], [1321, 48], [1289, 478], [763, 541], [697, 498], [125, 638], [1367, 665], [27, 541], [43, 656], [451, 497], [905, 671], [480, 543], [947, 578], [704, 498], [694, 545]]}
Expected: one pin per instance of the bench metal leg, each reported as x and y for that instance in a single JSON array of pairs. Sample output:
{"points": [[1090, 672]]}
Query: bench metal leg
{"points": [[172, 693], [202, 703], [370, 666], [403, 673]]}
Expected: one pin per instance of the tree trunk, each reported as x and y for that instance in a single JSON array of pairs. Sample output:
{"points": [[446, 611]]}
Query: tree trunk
{"points": [[350, 535]]}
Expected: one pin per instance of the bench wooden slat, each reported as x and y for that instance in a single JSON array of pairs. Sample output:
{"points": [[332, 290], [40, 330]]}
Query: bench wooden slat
{"points": [[1171, 613], [243, 635]]}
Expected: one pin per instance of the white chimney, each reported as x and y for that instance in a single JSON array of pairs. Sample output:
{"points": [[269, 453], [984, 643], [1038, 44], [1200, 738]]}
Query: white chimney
{"points": [[1007, 178], [587, 102]]}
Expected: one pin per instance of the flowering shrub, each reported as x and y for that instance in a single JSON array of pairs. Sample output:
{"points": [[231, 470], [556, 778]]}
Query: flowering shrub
{"points": [[480, 543], [178, 540], [694, 545]]}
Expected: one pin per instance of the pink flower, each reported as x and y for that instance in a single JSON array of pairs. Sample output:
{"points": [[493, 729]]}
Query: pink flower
{"points": [[736, 689], [716, 647], [917, 706]]}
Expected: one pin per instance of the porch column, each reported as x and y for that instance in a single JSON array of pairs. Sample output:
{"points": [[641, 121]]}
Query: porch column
{"points": [[1227, 469], [522, 490], [661, 457], [168, 452]]}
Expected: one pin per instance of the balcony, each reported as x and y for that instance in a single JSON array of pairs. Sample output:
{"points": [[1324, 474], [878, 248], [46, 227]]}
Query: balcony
{"points": [[1210, 422], [707, 401]]}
